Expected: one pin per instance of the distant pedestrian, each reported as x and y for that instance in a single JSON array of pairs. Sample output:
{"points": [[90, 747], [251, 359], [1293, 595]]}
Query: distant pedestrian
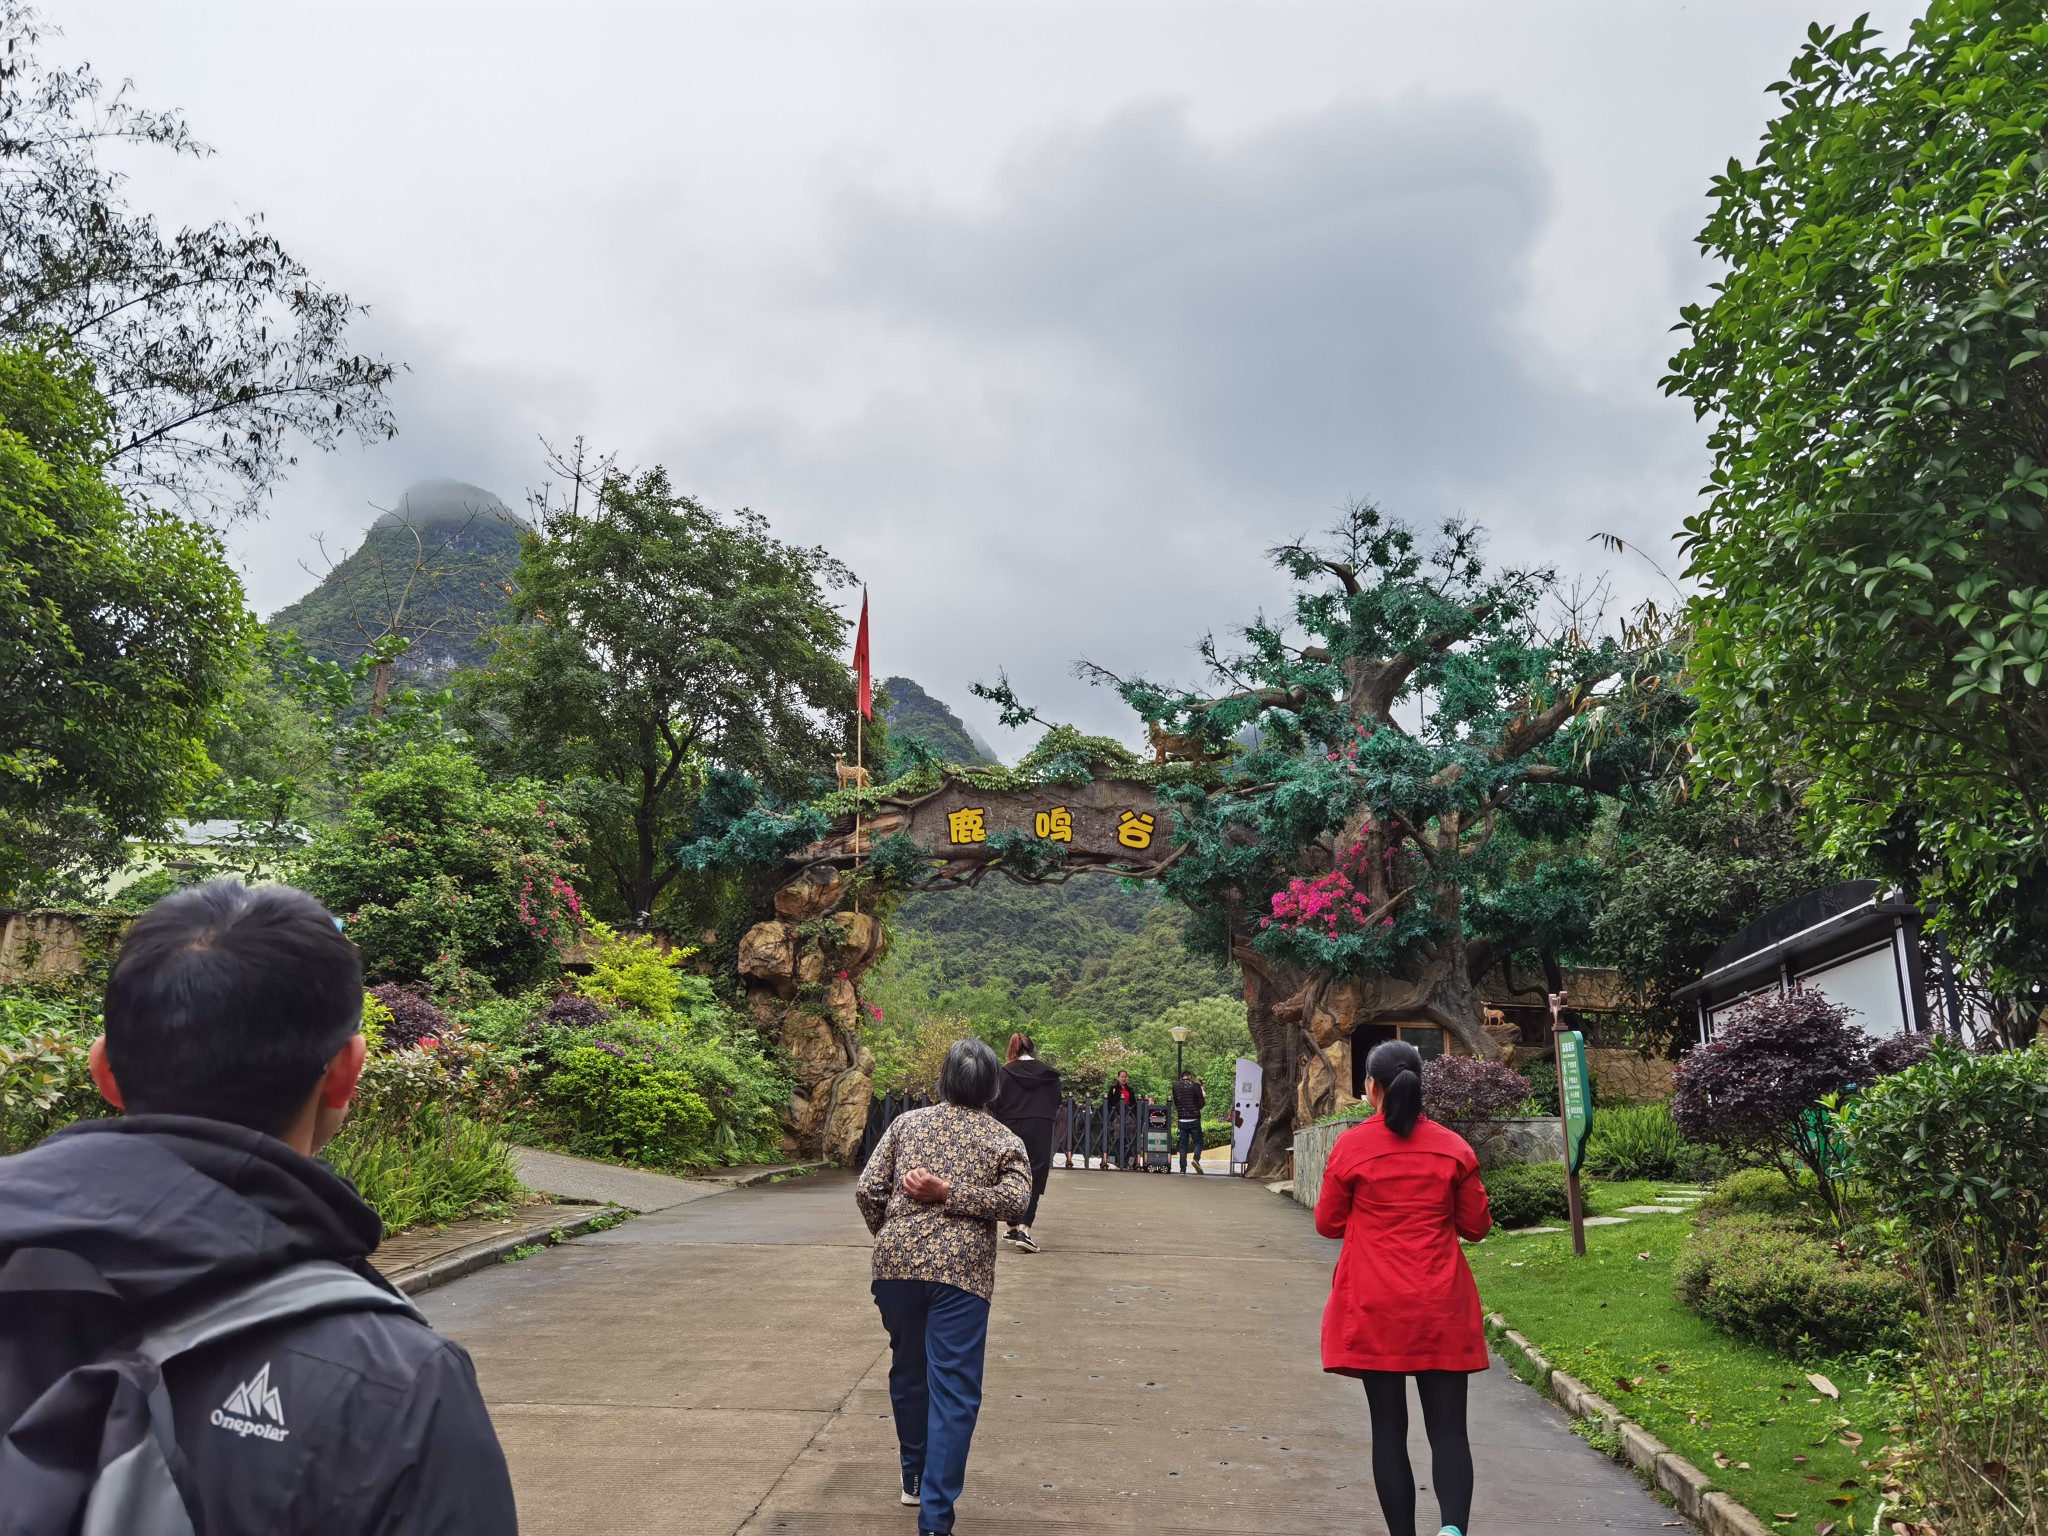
{"points": [[932, 1192], [1123, 1115], [1189, 1097], [1401, 1190], [1028, 1105]]}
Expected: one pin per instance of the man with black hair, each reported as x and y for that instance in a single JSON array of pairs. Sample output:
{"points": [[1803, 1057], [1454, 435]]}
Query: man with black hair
{"points": [[196, 1244]]}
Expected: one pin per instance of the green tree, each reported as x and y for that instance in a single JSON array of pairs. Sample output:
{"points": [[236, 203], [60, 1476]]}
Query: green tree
{"points": [[1414, 729], [1872, 637], [216, 348], [1680, 881], [654, 640], [121, 630], [435, 868]]}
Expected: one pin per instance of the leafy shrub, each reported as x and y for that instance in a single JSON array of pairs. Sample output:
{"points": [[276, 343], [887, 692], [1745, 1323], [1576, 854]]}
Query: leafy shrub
{"points": [[435, 866], [409, 1016], [1960, 1141], [1527, 1194], [1635, 1141], [376, 1021], [613, 1105], [1464, 1088], [424, 1140], [572, 1010], [1772, 1280], [1763, 1192], [437, 1165], [1895, 1053], [1542, 1076], [631, 973], [44, 1082], [1758, 1085]]}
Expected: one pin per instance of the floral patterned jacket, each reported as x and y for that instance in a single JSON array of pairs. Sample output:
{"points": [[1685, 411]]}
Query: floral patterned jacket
{"points": [[954, 1243]]}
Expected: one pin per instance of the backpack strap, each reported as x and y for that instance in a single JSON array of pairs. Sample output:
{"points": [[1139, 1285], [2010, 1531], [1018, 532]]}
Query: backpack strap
{"points": [[137, 1490]]}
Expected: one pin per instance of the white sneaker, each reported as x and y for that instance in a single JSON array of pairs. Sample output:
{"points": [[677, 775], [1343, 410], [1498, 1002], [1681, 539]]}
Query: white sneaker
{"points": [[913, 1492]]}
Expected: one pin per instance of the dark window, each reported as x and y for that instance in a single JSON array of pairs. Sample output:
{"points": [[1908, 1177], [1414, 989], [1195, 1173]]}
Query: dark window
{"points": [[1427, 1039]]}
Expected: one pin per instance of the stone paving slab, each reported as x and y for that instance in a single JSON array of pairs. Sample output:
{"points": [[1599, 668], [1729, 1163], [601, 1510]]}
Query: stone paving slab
{"points": [[717, 1366]]}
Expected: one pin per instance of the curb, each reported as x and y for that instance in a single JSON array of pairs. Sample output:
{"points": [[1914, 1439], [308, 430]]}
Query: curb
{"points": [[1690, 1488], [417, 1278], [765, 1176]]}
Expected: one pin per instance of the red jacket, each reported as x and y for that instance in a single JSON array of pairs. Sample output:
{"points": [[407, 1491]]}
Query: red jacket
{"points": [[1403, 1297]]}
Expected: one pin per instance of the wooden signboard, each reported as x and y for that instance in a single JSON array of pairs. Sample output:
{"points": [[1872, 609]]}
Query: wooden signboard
{"points": [[1117, 825]]}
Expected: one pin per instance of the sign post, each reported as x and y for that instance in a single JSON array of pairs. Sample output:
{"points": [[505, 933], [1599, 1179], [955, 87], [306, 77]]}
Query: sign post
{"points": [[1574, 1111]]}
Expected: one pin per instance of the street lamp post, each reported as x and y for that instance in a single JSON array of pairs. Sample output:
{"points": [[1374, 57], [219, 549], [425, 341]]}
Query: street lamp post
{"points": [[1180, 1045]]}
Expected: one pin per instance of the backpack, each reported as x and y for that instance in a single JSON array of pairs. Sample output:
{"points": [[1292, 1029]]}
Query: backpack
{"points": [[96, 1453]]}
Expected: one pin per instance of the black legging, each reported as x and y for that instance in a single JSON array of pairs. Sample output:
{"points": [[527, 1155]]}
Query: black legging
{"points": [[1450, 1453]]}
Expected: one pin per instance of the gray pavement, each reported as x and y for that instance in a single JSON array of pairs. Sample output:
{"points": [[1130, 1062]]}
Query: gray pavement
{"points": [[717, 1366], [578, 1178]]}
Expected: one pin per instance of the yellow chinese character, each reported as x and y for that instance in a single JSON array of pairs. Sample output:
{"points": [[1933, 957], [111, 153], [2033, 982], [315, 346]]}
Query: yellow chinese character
{"points": [[1134, 829], [970, 826], [1057, 824]]}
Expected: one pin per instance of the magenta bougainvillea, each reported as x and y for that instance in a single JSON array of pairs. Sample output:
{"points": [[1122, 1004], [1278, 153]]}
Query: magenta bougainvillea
{"points": [[1331, 904]]}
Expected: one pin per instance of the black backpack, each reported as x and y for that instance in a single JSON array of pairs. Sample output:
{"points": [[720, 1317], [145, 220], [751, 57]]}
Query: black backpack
{"points": [[95, 1452]]}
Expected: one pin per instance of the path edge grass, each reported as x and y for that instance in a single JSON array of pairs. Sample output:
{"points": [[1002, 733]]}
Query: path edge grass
{"points": [[1690, 1489], [415, 1279]]}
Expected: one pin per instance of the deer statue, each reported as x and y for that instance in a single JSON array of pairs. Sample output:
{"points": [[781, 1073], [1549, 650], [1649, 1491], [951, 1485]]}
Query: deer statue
{"points": [[854, 775]]}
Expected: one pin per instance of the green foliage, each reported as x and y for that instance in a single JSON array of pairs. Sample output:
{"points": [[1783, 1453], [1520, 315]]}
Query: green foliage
{"points": [[613, 1105], [1774, 1281], [436, 1166], [631, 972], [433, 864], [44, 1082], [1681, 880], [1873, 625], [651, 638], [1956, 1148], [120, 634], [1635, 1141], [1765, 1192], [1527, 1194]]}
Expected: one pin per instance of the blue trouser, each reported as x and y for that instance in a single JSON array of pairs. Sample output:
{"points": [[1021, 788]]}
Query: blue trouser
{"points": [[937, 1337], [1190, 1141]]}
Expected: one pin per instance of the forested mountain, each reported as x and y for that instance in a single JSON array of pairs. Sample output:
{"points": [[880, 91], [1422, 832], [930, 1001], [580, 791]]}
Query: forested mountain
{"points": [[913, 712], [434, 569]]}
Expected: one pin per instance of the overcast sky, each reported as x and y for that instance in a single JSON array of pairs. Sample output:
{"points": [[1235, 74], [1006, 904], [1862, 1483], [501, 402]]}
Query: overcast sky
{"points": [[1049, 319]]}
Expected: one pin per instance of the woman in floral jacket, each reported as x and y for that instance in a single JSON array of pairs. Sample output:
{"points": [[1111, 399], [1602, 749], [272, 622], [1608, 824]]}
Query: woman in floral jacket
{"points": [[932, 1192]]}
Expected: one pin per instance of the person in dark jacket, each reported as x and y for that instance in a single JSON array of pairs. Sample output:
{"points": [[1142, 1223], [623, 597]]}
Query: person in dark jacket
{"points": [[1123, 1117], [1188, 1098], [233, 1047], [1028, 1104]]}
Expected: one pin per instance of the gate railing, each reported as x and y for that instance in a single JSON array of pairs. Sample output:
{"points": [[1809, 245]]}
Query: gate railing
{"points": [[1091, 1130]]}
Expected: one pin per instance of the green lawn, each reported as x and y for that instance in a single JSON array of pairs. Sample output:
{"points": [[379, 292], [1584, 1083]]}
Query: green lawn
{"points": [[1611, 1318]]}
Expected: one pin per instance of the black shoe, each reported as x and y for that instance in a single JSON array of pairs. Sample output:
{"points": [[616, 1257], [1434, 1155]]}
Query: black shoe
{"points": [[913, 1489], [1023, 1241]]}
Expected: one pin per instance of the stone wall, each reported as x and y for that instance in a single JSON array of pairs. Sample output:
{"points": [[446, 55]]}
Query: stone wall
{"points": [[1538, 1139], [802, 970], [48, 945], [1621, 1075]]}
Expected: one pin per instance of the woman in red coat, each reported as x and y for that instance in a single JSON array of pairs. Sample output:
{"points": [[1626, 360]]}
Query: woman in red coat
{"points": [[1401, 1190]]}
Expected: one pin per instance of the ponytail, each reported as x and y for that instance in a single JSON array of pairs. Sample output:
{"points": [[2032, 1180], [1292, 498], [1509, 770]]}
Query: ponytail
{"points": [[1397, 1067]]}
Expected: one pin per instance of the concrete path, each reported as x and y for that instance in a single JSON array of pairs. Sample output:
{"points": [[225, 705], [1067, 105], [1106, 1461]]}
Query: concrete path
{"points": [[578, 1178], [717, 1367]]}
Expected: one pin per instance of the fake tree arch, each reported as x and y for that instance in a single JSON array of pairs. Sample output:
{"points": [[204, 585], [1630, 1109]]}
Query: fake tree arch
{"points": [[1377, 772]]}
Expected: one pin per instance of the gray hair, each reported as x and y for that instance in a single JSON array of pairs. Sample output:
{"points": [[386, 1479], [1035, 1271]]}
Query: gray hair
{"points": [[971, 1075]]}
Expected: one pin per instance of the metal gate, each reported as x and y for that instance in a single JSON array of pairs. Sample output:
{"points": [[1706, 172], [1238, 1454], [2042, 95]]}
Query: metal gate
{"points": [[1086, 1133]]}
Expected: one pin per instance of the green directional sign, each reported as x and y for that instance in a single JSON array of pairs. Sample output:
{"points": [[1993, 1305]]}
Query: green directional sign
{"points": [[1574, 1096]]}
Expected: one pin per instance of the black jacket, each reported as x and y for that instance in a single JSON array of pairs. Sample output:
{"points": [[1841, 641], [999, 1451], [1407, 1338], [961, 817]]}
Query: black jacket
{"points": [[1188, 1097], [1030, 1091], [384, 1430]]}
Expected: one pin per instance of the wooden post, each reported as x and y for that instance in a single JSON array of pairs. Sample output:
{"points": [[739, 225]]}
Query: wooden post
{"points": [[1571, 1174]]}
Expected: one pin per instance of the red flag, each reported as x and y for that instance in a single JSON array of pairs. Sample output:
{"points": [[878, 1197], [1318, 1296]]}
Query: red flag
{"points": [[860, 660]]}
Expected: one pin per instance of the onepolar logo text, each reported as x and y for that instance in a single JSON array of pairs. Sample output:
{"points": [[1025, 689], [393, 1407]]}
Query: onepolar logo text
{"points": [[251, 1402]]}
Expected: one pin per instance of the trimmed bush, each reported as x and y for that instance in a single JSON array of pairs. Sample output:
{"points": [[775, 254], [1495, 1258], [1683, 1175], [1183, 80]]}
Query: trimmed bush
{"points": [[609, 1104], [1636, 1141], [409, 1016], [572, 1010], [1771, 1280], [1527, 1194], [1763, 1192]]}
